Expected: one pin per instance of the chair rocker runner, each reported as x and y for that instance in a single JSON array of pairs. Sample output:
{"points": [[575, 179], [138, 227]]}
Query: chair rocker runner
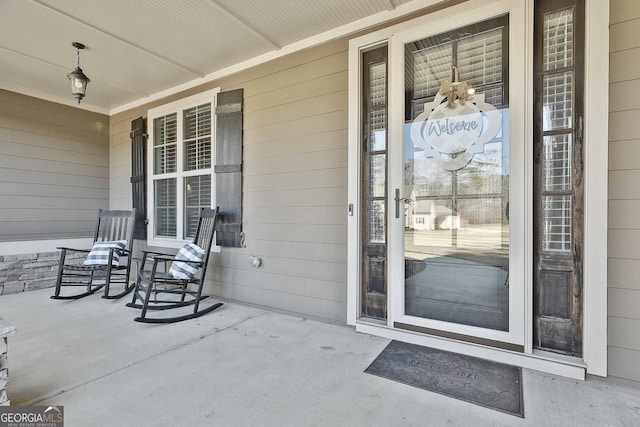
{"points": [[180, 285], [107, 263]]}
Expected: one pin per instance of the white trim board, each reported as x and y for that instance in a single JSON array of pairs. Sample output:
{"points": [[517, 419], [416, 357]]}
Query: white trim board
{"points": [[596, 193], [40, 246]]}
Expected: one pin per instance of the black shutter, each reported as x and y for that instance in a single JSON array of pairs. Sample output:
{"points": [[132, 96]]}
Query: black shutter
{"points": [[138, 183], [228, 168]]}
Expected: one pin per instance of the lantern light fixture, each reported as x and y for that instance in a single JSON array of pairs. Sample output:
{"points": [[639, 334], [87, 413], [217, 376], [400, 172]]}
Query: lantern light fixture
{"points": [[77, 78]]}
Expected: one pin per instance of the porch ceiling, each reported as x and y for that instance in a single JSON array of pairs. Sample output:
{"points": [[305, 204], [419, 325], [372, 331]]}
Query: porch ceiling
{"points": [[137, 49]]}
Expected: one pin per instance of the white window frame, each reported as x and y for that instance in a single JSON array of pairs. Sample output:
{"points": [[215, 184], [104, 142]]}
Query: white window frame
{"points": [[177, 107]]}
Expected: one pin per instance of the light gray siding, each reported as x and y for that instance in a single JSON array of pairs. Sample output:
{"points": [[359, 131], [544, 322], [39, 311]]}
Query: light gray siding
{"points": [[624, 191], [295, 183], [54, 169], [295, 175]]}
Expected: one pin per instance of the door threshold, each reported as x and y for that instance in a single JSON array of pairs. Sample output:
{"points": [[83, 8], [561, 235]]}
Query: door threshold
{"points": [[549, 355], [542, 361], [459, 337]]}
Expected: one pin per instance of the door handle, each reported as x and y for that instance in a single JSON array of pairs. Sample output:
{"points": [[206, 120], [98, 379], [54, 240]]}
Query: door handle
{"points": [[399, 199]]}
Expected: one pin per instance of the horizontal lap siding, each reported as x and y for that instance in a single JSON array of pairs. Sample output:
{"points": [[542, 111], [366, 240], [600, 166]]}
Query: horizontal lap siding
{"points": [[294, 183], [54, 169], [624, 191], [295, 177]]}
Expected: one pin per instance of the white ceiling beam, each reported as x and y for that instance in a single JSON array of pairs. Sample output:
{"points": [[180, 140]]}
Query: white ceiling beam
{"points": [[315, 40], [35, 58], [125, 42], [248, 26], [390, 4]]}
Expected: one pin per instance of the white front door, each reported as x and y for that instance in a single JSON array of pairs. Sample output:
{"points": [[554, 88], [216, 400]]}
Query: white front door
{"points": [[456, 182]]}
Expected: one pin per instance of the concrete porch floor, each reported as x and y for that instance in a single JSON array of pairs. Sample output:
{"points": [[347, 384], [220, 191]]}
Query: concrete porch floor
{"points": [[245, 366]]}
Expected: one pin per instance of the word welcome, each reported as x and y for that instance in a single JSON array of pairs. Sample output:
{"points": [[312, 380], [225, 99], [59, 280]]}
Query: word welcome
{"points": [[450, 127], [432, 367]]}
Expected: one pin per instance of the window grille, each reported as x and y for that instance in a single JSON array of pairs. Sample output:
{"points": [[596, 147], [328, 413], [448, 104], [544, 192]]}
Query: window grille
{"points": [[377, 222], [183, 158], [197, 137], [556, 168], [557, 125], [431, 66], [377, 107], [558, 40], [165, 207], [165, 144], [197, 195], [480, 58], [556, 223]]}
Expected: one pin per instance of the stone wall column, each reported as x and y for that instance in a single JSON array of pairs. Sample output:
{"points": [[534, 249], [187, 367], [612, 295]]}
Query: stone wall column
{"points": [[6, 330]]}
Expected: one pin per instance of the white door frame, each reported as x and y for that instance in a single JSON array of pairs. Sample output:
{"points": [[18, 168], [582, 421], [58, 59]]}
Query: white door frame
{"points": [[596, 195], [520, 192]]}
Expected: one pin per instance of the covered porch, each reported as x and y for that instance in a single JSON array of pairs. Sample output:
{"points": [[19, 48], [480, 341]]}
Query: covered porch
{"points": [[299, 206], [245, 366]]}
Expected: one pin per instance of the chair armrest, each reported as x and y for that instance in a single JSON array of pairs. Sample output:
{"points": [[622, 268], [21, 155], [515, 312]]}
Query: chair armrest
{"points": [[145, 253], [126, 253], [163, 257], [62, 248], [171, 258], [154, 258]]}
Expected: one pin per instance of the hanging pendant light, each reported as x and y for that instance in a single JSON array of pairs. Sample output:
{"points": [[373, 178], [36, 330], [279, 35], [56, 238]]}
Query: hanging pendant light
{"points": [[77, 78]]}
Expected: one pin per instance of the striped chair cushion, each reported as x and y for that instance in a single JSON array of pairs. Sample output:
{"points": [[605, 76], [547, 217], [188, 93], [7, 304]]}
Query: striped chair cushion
{"points": [[99, 254], [186, 270]]}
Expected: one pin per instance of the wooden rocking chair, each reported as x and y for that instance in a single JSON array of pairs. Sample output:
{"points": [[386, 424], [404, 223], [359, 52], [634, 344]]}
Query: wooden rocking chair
{"points": [[107, 263], [181, 285]]}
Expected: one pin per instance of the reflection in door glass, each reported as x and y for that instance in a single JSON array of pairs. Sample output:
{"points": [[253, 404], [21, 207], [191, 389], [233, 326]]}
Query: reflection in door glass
{"points": [[456, 167]]}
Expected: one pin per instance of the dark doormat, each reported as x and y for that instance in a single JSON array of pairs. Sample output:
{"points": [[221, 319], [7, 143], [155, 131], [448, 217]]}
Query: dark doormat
{"points": [[485, 383]]}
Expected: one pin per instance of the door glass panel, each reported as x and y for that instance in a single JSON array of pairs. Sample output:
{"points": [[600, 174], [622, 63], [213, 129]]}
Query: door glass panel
{"points": [[376, 222], [378, 106], [557, 117], [557, 101], [558, 40], [431, 65], [373, 291], [378, 175], [378, 124], [556, 223], [456, 165], [556, 162], [480, 58]]}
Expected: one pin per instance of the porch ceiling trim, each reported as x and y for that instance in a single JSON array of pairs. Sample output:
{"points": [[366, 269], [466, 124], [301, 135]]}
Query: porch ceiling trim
{"points": [[342, 31]]}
